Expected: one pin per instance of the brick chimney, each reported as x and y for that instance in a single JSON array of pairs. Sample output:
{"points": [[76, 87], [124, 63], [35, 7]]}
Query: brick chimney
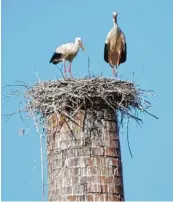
{"points": [[84, 158]]}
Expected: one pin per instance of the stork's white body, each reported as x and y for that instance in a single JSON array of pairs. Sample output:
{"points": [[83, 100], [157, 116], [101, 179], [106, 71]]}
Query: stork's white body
{"points": [[115, 46], [67, 52]]}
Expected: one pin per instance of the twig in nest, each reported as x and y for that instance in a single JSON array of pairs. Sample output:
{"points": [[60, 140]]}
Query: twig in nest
{"points": [[37, 76], [151, 114], [84, 121], [128, 138]]}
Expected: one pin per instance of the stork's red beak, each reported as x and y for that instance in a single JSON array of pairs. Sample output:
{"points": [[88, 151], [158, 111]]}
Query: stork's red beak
{"points": [[81, 45], [115, 17]]}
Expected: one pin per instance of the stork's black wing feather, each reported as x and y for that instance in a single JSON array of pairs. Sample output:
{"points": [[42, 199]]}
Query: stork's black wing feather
{"points": [[124, 53], [106, 49], [55, 56]]}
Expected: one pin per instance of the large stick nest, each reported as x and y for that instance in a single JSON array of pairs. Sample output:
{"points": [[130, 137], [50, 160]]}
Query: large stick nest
{"points": [[66, 96]]}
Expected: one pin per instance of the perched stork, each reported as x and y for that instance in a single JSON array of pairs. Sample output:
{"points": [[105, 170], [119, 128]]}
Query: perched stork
{"points": [[67, 52], [115, 50]]}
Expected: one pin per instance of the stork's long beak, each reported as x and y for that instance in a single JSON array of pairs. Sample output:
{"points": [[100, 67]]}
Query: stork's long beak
{"points": [[82, 47], [115, 17]]}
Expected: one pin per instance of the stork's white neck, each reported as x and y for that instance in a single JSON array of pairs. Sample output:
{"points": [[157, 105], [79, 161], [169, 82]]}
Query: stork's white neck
{"points": [[76, 46], [115, 24]]}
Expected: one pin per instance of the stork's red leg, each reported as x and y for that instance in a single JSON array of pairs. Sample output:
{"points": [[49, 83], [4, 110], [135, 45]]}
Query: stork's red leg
{"points": [[113, 71], [69, 69]]}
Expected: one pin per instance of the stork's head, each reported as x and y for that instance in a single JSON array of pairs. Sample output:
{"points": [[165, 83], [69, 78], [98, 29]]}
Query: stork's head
{"points": [[114, 14], [78, 40]]}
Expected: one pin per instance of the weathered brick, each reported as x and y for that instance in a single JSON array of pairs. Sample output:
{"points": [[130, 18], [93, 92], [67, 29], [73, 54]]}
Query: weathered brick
{"points": [[112, 152], [105, 170], [117, 145], [110, 197], [111, 143], [119, 189], [67, 136], [84, 179], [99, 197], [58, 172], [83, 161], [118, 172], [110, 161], [58, 154], [81, 152], [64, 145], [81, 197], [90, 197], [59, 197], [105, 179], [58, 192], [94, 170], [104, 188], [58, 163], [75, 180], [71, 198], [95, 179], [90, 173], [79, 189], [86, 141], [110, 180], [110, 125], [76, 171], [58, 181], [93, 188], [72, 162], [114, 197], [98, 160], [97, 151], [68, 153], [54, 145], [111, 134], [68, 190], [76, 143], [116, 180], [67, 181], [112, 189]]}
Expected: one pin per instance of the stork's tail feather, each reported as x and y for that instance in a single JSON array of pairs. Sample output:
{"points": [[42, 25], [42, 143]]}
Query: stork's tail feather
{"points": [[106, 52], [55, 58]]}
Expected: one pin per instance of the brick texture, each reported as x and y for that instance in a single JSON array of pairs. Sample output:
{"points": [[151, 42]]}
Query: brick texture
{"points": [[84, 159]]}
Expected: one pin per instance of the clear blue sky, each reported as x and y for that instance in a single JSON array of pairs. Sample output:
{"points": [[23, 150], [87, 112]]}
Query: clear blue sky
{"points": [[32, 29]]}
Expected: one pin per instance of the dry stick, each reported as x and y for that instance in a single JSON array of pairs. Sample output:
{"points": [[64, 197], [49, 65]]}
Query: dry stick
{"points": [[84, 121], [36, 159], [37, 76], [151, 114], [41, 148], [42, 167], [128, 138], [41, 157], [10, 115], [20, 110]]}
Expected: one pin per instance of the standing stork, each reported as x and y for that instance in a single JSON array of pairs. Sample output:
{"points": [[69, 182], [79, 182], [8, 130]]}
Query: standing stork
{"points": [[67, 52], [115, 50]]}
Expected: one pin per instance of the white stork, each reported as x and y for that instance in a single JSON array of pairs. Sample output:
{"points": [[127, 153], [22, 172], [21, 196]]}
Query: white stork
{"points": [[115, 50], [67, 52]]}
